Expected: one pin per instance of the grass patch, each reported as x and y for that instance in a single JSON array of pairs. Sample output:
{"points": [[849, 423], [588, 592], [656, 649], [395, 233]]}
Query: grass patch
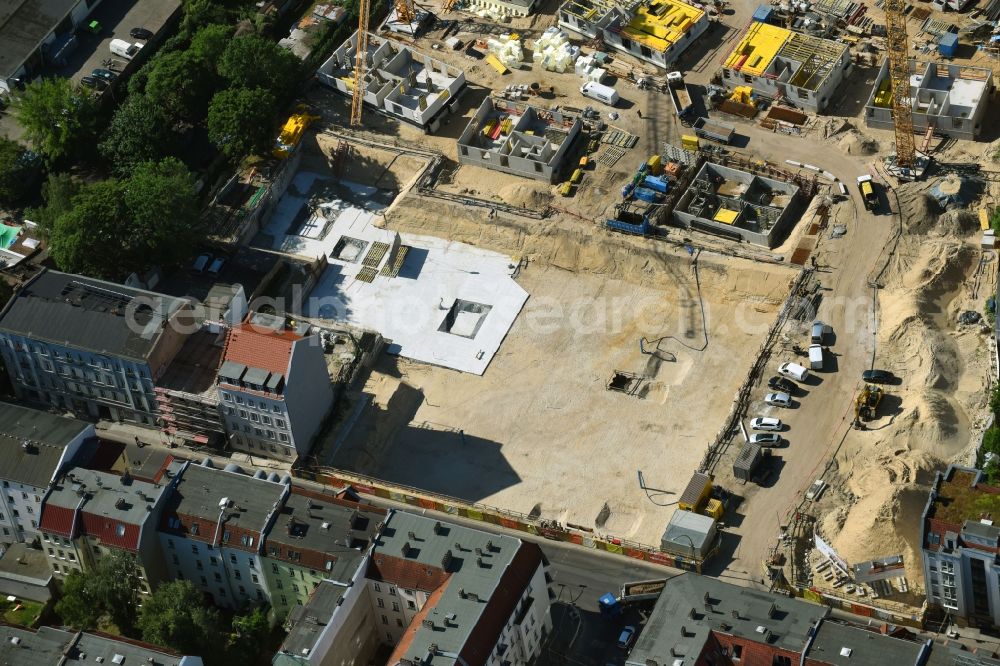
{"points": [[23, 613]]}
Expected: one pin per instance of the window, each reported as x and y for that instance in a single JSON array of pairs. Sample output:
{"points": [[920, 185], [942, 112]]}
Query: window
{"points": [[232, 559], [199, 565], [239, 400], [247, 540], [214, 562], [279, 422], [254, 417], [274, 567], [218, 577], [381, 604], [237, 575], [174, 557], [737, 651], [254, 578], [194, 549], [283, 437], [781, 660], [395, 607], [392, 590], [266, 420], [225, 539], [250, 403], [243, 591], [227, 397], [250, 561], [279, 585], [411, 605], [194, 528], [385, 620], [120, 530], [377, 588], [275, 409], [170, 544], [803, 94], [97, 550], [747, 78]]}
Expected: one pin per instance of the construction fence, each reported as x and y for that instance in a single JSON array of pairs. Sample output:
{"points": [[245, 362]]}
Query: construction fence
{"points": [[511, 520]]}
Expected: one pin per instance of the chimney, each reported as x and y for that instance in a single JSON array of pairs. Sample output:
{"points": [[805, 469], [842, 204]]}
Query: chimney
{"points": [[736, 614], [458, 546], [684, 631], [693, 614], [708, 599], [406, 551], [772, 611], [428, 623], [479, 551], [412, 535], [461, 593], [489, 546], [438, 527], [446, 560], [479, 561]]}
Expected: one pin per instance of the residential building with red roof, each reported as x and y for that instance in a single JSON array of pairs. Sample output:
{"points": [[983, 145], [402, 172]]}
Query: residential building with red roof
{"points": [[274, 387], [88, 514]]}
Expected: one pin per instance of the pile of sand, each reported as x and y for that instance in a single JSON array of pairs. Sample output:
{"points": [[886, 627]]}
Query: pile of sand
{"points": [[529, 195], [924, 423], [847, 137]]}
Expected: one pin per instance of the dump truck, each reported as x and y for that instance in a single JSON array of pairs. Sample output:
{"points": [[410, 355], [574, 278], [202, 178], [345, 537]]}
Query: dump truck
{"points": [[679, 94], [642, 590], [628, 222], [867, 187], [714, 130]]}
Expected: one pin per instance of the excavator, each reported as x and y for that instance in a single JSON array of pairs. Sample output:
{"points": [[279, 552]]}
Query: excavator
{"points": [[866, 404]]}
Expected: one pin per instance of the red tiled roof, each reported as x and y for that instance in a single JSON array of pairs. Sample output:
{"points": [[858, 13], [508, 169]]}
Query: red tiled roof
{"points": [[57, 520], [256, 347], [406, 573], [105, 528]]}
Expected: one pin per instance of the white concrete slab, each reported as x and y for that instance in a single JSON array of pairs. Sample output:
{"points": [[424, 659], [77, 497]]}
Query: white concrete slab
{"points": [[408, 310]]}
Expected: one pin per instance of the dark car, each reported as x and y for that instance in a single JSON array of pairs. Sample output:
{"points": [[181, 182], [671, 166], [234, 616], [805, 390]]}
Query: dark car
{"points": [[877, 376], [140, 33], [93, 82], [105, 74], [781, 384]]}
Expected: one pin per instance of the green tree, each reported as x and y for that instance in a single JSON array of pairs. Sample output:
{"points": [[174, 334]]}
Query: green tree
{"points": [[115, 585], [240, 121], [198, 13], [95, 224], [162, 206], [995, 400], [177, 616], [57, 193], [18, 173], [180, 84], [58, 117], [991, 440], [252, 61], [140, 131], [77, 606], [209, 43], [250, 635]]}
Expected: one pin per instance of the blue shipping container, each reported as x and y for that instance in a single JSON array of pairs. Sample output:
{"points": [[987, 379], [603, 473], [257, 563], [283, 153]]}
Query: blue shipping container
{"points": [[948, 44], [646, 194], [654, 183]]}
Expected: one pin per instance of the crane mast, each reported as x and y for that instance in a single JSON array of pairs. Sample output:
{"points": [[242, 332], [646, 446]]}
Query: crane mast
{"points": [[897, 45]]}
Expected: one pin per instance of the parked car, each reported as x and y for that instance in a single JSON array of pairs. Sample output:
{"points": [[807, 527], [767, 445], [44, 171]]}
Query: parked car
{"points": [[93, 82], [877, 376], [793, 371], [778, 399], [201, 262], [140, 33], [766, 423], [816, 489], [765, 438], [105, 74], [626, 637], [216, 266], [820, 332], [782, 384]]}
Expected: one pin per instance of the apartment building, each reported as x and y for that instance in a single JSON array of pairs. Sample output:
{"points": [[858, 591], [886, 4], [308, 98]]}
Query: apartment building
{"points": [[186, 395], [88, 514], [91, 347], [49, 646], [213, 529], [316, 536], [274, 387], [959, 547], [34, 447], [434, 593]]}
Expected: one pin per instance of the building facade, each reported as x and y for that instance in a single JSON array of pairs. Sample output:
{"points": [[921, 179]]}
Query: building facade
{"points": [[274, 387], [792, 68], [34, 447], [90, 514], [213, 529], [91, 347], [50, 645]]}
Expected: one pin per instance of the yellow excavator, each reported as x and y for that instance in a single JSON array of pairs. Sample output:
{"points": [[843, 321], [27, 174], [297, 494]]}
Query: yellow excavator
{"points": [[866, 404]]}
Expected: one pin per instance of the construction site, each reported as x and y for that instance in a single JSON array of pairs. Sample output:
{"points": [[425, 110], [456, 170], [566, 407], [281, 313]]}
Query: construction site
{"points": [[588, 296]]}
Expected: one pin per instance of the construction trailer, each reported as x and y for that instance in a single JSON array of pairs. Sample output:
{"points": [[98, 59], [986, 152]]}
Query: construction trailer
{"points": [[691, 536], [399, 81], [946, 99], [747, 461], [656, 31], [796, 69], [518, 139], [738, 205]]}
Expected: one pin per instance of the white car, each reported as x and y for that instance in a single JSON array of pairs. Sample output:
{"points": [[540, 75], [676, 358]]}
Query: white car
{"points": [[766, 423], [778, 399], [815, 490], [765, 439]]}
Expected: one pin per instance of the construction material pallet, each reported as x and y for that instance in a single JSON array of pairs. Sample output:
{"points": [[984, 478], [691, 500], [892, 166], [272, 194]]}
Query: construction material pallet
{"points": [[366, 275], [620, 138], [375, 254], [610, 156], [392, 270]]}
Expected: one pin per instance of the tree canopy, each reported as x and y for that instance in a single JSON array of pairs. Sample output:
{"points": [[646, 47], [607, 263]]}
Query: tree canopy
{"points": [[150, 217], [181, 84], [240, 121], [112, 589], [252, 61], [78, 606], [139, 132], [17, 173], [177, 616], [209, 43], [58, 117]]}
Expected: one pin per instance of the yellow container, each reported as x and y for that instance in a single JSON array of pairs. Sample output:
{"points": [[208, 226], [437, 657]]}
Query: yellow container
{"points": [[584, 161], [689, 142], [655, 164], [714, 509], [566, 189], [577, 176]]}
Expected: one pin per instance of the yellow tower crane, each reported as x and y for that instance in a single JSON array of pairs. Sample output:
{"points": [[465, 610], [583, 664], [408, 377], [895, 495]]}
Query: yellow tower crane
{"points": [[358, 93], [897, 44]]}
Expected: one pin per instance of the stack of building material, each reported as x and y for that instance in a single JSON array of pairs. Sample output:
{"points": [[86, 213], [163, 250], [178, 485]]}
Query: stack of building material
{"points": [[554, 52], [507, 49], [587, 68]]}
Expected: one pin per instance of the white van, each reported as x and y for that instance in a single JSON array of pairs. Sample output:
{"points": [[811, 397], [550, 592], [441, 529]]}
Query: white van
{"points": [[123, 49], [600, 92], [793, 371], [816, 357]]}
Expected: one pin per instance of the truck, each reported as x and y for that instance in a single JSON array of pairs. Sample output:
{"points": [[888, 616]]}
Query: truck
{"points": [[629, 222], [642, 590], [867, 187], [714, 130], [679, 94]]}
